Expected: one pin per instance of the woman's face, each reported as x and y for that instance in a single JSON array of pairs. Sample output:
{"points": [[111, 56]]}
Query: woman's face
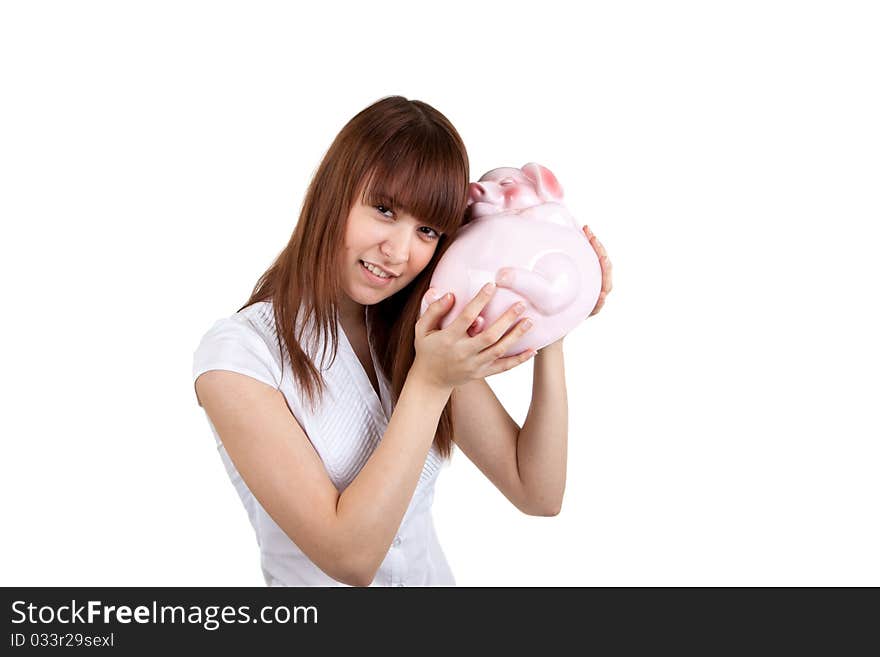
{"points": [[396, 242]]}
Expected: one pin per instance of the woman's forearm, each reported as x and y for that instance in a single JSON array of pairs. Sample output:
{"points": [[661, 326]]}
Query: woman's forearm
{"points": [[542, 446], [371, 509]]}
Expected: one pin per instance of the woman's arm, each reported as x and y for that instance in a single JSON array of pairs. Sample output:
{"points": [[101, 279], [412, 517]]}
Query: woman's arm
{"points": [[372, 507], [346, 535], [542, 445], [512, 457]]}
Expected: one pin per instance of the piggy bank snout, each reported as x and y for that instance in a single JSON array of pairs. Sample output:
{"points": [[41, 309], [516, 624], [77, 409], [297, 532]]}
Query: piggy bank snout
{"points": [[476, 192]]}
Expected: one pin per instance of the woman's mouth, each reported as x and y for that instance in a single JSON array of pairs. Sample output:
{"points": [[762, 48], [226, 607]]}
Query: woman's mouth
{"points": [[376, 278]]}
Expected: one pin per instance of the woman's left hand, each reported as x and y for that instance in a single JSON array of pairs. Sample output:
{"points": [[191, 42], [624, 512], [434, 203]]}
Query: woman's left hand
{"points": [[605, 263]]}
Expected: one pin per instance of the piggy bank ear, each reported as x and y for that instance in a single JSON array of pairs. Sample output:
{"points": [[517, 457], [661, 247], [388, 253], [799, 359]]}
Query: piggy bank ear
{"points": [[545, 182]]}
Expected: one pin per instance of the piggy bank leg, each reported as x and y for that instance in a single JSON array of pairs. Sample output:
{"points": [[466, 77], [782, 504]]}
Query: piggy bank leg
{"points": [[550, 287]]}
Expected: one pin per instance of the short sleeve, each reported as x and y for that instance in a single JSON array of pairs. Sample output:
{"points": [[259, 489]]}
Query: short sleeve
{"points": [[233, 344]]}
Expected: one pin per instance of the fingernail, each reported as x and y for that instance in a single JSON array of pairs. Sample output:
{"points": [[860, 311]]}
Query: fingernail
{"points": [[488, 287], [527, 324], [431, 294]]}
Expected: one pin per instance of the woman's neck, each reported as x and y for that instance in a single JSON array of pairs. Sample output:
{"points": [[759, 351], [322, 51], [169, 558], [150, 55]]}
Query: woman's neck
{"points": [[352, 314]]}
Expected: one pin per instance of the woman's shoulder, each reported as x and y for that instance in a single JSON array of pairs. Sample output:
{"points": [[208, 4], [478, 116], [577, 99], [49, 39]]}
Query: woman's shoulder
{"points": [[254, 321], [245, 340], [260, 317]]}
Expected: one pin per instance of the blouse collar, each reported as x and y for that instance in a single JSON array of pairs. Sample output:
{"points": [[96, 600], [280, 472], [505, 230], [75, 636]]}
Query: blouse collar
{"points": [[382, 403]]}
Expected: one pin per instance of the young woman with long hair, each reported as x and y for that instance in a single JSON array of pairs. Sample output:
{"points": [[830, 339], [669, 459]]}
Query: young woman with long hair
{"points": [[336, 462]]}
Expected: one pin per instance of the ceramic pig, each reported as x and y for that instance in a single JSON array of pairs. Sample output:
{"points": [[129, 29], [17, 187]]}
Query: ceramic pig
{"points": [[522, 237]]}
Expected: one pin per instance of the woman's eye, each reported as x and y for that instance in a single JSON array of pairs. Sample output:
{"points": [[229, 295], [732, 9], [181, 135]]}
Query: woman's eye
{"points": [[384, 208]]}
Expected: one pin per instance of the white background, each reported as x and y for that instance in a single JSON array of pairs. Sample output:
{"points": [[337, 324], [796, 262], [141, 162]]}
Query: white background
{"points": [[723, 404]]}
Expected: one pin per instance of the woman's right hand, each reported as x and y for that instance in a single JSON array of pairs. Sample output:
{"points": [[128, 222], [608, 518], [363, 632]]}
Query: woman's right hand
{"points": [[451, 357]]}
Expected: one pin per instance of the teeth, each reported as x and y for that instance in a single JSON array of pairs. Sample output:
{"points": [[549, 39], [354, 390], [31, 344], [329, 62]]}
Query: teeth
{"points": [[375, 270]]}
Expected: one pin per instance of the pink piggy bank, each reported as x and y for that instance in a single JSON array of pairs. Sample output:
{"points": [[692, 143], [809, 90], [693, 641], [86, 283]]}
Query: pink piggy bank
{"points": [[524, 239]]}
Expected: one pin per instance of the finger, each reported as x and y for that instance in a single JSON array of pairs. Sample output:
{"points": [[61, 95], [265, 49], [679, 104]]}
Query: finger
{"points": [[606, 275], [599, 303], [433, 312], [477, 326], [494, 333], [472, 310], [508, 363], [499, 348]]}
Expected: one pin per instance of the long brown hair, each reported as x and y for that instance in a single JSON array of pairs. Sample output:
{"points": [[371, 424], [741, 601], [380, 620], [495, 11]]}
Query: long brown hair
{"points": [[405, 152]]}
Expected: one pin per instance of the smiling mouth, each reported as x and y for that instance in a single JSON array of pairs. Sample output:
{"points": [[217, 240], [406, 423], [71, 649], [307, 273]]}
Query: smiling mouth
{"points": [[387, 273]]}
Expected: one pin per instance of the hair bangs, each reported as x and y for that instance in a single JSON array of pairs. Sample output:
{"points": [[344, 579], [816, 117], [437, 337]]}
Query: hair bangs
{"points": [[427, 182]]}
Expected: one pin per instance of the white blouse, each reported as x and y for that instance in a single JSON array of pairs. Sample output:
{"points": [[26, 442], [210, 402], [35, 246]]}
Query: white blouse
{"points": [[345, 428]]}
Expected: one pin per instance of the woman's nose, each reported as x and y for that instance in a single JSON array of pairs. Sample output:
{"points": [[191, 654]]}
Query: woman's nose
{"points": [[395, 254], [396, 247]]}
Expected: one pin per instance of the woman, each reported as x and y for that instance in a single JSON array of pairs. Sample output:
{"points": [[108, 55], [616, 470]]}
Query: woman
{"points": [[336, 467]]}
